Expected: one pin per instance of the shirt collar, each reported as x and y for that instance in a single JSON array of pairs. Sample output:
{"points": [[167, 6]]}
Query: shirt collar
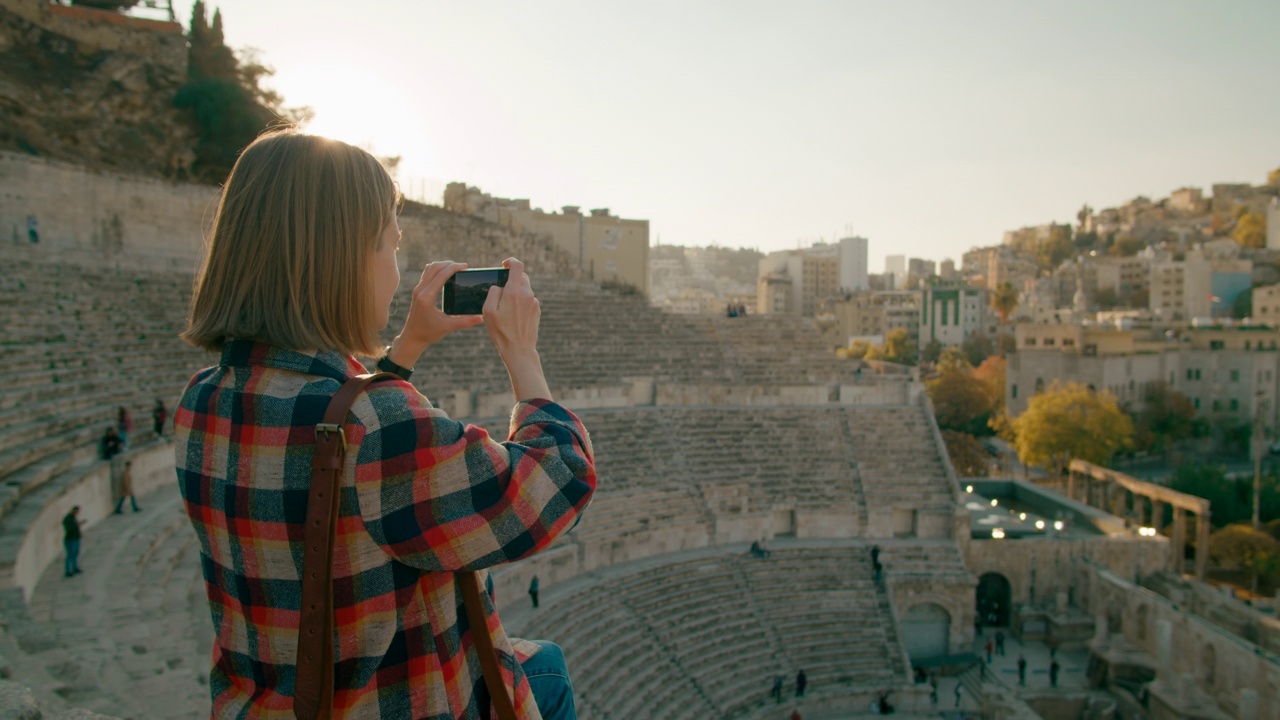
{"points": [[326, 363]]}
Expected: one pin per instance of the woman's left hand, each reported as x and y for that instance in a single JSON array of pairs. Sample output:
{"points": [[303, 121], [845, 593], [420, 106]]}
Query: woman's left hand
{"points": [[427, 324]]}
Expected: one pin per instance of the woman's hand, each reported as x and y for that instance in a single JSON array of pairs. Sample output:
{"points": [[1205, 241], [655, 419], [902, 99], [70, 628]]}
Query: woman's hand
{"points": [[512, 315], [427, 324]]}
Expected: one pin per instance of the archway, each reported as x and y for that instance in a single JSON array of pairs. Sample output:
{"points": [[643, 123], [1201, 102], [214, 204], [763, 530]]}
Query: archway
{"points": [[926, 631], [994, 599]]}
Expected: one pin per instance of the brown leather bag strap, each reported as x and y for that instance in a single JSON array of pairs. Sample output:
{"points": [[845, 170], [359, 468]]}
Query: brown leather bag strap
{"points": [[498, 693], [313, 684]]}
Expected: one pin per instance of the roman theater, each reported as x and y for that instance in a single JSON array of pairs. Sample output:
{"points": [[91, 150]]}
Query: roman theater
{"points": [[711, 434]]}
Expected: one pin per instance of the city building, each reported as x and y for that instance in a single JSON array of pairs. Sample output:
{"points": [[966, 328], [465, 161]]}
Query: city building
{"points": [[853, 264], [872, 315], [608, 249], [1273, 224], [1224, 371], [1266, 305], [793, 281], [919, 272], [896, 265], [1206, 284], [950, 313]]}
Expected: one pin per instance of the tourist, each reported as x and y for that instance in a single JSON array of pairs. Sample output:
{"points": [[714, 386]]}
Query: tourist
{"points": [[158, 415], [959, 692], [1000, 643], [126, 488], [759, 550], [802, 681], [33, 232], [1054, 667], [110, 445], [298, 278], [1022, 670], [989, 648], [795, 714], [124, 426], [933, 688], [776, 691], [71, 523], [533, 591]]}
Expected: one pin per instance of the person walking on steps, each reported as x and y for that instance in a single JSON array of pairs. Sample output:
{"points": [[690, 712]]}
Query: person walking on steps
{"points": [[1022, 670], [802, 681], [959, 693]]}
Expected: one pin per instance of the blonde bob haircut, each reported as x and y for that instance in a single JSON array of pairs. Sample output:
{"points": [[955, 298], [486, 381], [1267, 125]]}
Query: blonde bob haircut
{"points": [[288, 260]]}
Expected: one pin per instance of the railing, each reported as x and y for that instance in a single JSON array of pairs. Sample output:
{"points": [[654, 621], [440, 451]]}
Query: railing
{"points": [[927, 405]]}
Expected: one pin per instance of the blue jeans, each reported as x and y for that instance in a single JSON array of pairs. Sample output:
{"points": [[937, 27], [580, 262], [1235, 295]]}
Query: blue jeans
{"points": [[549, 680], [73, 555]]}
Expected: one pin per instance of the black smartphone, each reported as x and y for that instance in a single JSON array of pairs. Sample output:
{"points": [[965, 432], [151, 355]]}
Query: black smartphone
{"points": [[466, 291]]}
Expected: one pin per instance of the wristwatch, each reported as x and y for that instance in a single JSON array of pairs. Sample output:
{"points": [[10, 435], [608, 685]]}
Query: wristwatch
{"points": [[386, 365]]}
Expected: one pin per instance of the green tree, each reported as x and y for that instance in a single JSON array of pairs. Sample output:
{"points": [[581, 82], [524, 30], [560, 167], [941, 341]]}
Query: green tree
{"points": [[226, 97], [1070, 421], [1251, 230], [1004, 301], [1242, 307], [931, 352], [967, 456], [1230, 500], [1167, 417], [1241, 547]]}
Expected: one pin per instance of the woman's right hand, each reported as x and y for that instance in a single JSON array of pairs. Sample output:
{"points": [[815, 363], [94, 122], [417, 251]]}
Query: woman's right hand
{"points": [[512, 315]]}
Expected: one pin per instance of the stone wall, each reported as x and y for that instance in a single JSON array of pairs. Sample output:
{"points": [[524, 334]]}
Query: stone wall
{"points": [[99, 30], [92, 217], [1039, 568], [32, 537], [1197, 663]]}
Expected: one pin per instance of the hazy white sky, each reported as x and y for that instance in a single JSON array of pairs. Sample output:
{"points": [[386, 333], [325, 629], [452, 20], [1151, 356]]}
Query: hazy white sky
{"points": [[928, 127]]}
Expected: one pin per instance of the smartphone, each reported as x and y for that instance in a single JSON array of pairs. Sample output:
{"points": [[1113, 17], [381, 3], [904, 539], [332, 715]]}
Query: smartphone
{"points": [[466, 291]]}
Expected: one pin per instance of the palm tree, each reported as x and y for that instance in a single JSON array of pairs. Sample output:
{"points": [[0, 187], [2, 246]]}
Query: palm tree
{"points": [[1003, 301]]}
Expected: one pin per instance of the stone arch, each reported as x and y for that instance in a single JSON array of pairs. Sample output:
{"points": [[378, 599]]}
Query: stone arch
{"points": [[994, 599], [926, 631], [1209, 665]]}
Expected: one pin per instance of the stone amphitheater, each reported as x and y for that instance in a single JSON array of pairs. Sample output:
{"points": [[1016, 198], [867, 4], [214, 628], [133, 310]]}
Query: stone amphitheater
{"points": [[710, 433]]}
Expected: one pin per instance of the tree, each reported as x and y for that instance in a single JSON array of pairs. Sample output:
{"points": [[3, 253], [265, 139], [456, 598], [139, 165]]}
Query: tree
{"points": [[976, 347], [1273, 178], [991, 376], [1230, 500], [858, 349], [931, 352], [897, 348], [1251, 230], [1082, 215], [1107, 298], [1004, 301], [226, 97], [1070, 421], [1055, 248], [1241, 547], [1127, 246], [1167, 417], [967, 456], [959, 403]]}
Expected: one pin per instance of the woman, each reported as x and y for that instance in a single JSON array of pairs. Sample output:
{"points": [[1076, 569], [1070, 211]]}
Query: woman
{"points": [[298, 277]]}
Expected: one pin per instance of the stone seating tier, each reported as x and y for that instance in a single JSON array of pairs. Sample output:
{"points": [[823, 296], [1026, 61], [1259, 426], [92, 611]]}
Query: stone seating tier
{"points": [[704, 637]]}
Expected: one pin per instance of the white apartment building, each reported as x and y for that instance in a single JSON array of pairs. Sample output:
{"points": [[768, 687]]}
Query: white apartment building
{"points": [[950, 313], [853, 264]]}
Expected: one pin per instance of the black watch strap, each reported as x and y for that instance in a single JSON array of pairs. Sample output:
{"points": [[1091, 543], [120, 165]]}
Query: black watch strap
{"points": [[386, 365]]}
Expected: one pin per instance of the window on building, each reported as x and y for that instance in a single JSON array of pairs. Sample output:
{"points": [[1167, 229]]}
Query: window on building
{"points": [[1013, 390], [1031, 342], [1189, 373], [1068, 342], [1235, 376], [1048, 342], [1247, 345], [1215, 344], [1217, 405], [1235, 404], [1196, 402], [1170, 377], [1197, 373]]}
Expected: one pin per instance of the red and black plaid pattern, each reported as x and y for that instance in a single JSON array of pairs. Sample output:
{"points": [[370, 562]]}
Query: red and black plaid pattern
{"points": [[422, 495]]}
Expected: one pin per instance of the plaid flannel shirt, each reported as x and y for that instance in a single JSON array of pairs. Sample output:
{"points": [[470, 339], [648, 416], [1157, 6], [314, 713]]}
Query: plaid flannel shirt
{"points": [[422, 495]]}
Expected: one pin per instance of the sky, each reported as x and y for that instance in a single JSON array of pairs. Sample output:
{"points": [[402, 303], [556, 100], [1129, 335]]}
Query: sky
{"points": [[929, 127]]}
